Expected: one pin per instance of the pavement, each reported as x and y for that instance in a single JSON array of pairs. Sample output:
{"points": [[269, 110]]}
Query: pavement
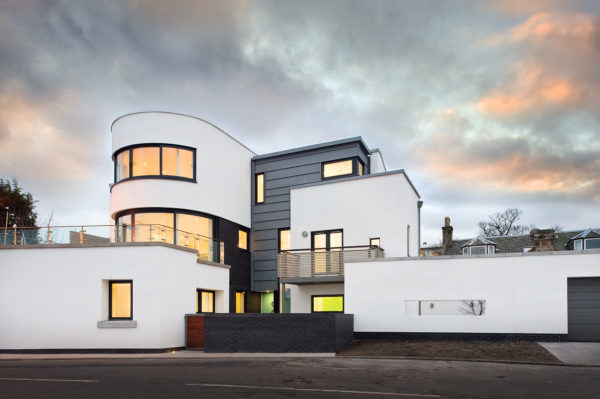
{"points": [[575, 353]]}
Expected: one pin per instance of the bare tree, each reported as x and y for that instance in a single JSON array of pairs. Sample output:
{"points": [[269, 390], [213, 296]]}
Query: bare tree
{"points": [[473, 307], [503, 224]]}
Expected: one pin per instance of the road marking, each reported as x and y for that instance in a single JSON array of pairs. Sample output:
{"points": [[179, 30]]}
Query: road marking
{"points": [[44, 380], [317, 390]]}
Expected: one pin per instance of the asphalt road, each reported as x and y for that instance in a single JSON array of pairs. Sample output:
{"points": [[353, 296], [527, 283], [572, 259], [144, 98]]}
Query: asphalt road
{"points": [[293, 378]]}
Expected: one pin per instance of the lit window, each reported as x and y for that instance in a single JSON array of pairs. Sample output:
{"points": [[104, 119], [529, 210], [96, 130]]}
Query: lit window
{"points": [[120, 299], [242, 239], [205, 301], [167, 161], [327, 303], [177, 162], [145, 161], [239, 302], [360, 168], [122, 166], [592, 243], [338, 168], [260, 188], [285, 241], [374, 242]]}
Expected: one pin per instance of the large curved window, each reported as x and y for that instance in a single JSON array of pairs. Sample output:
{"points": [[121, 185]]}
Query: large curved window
{"points": [[172, 227], [156, 160]]}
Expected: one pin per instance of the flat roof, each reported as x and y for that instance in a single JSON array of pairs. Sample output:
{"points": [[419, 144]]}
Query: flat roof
{"points": [[314, 146]]}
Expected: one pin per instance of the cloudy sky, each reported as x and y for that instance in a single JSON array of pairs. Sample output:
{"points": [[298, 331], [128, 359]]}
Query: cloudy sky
{"points": [[486, 105]]}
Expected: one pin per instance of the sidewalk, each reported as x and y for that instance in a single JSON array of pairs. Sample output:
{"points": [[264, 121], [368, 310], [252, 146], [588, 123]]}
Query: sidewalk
{"points": [[575, 353], [182, 354]]}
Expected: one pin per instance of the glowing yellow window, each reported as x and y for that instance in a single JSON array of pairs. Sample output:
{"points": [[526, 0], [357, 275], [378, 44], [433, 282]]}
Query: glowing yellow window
{"points": [[205, 301], [146, 161], [328, 303], [260, 188], [178, 162], [242, 239], [285, 241], [120, 299], [339, 168], [239, 302]]}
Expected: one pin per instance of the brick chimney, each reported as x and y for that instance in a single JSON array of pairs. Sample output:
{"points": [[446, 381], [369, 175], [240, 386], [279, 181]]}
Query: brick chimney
{"points": [[543, 240], [447, 232]]}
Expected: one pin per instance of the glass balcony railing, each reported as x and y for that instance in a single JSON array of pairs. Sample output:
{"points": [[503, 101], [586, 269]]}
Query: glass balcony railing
{"points": [[208, 248]]}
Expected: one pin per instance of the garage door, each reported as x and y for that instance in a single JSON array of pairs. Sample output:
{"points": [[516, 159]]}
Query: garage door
{"points": [[584, 309]]}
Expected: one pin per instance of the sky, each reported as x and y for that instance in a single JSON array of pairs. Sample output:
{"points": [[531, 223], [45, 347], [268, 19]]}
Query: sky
{"points": [[486, 105]]}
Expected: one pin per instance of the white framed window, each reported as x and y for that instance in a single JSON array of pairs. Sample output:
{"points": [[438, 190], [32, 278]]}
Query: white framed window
{"points": [[578, 245]]}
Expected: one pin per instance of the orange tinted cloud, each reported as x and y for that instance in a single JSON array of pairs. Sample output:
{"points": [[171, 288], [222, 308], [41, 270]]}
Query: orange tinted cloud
{"points": [[532, 89], [484, 164], [520, 7]]}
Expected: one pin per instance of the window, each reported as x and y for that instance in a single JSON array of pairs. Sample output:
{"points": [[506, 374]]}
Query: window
{"points": [[167, 161], [240, 299], [327, 247], [260, 188], [120, 300], [578, 245], [242, 239], [479, 250], [285, 240], [327, 303], [592, 243], [205, 301], [342, 168], [374, 242]]}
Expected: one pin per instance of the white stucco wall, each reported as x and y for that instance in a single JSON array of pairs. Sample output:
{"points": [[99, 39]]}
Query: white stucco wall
{"points": [[366, 207], [523, 293], [54, 297], [222, 167], [377, 164], [300, 295]]}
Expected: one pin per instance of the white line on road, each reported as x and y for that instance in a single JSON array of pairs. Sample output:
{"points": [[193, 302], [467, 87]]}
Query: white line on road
{"points": [[317, 390], [44, 380]]}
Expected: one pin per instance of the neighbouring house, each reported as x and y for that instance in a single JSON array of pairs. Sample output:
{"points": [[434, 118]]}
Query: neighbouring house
{"points": [[537, 240]]}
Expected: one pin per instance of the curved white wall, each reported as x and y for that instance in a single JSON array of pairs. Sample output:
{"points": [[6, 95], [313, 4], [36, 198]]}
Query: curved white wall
{"points": [[222, 167]]}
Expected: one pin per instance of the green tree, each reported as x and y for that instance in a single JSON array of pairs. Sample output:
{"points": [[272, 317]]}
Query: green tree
{"points": [[21, 205]]}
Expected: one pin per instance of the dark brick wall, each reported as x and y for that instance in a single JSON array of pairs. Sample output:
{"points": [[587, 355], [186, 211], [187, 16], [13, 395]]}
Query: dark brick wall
{"points": [[388, 336], [278, 332]]}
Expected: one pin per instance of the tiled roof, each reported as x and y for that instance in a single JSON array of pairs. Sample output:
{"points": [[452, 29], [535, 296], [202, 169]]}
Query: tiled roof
{"points": [[508, 244]]}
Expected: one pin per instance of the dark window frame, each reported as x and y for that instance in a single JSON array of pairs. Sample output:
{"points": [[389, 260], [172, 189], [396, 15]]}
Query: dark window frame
{"points": [[247, 249], [355, 162], [279, 237], [328, 239], [110, 283], [199, 304], [256, 202], [160, 146], [312, 303]]}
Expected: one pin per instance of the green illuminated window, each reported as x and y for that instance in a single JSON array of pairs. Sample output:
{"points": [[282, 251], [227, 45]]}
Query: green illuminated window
{"points": [[327, 303]]}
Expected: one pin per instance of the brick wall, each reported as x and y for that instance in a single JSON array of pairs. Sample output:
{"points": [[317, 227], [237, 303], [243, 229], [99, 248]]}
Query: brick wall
{"points": [[297, 332]]}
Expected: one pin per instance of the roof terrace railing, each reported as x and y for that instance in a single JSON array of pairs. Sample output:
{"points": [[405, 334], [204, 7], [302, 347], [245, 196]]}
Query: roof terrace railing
{"points": [[208, 248], [298, 263]]}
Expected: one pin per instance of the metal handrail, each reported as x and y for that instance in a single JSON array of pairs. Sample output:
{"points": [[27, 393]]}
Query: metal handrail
{"points": [[330, 248]]}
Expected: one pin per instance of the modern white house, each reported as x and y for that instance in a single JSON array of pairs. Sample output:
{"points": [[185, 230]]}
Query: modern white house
{"points": [[198, 223]]}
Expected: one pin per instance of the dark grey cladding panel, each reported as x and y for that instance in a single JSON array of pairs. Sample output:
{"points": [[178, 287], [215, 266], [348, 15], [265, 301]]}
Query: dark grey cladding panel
{"points": [[266, 254], [295, 171], [265, 265], [273, 207], [290, 181], [307, 158], [262, 245], [265, 217], [271, 224], [279, 198], [281, 173]]}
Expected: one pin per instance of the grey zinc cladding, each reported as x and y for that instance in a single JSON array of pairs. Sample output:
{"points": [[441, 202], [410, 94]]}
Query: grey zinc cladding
{"points": [[283, 170]]}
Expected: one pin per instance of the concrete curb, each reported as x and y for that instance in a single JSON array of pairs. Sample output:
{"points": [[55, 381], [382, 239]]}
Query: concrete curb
{"points": [[180, 355]]}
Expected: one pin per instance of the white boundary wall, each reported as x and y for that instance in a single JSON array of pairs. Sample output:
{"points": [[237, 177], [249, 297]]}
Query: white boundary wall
{"points": [[523, 293], [222, 167], [53, 298], [366, 207]]}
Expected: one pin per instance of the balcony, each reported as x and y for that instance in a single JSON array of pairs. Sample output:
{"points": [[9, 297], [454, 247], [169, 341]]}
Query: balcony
{"points": [[208, 248], [320, 264]]}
